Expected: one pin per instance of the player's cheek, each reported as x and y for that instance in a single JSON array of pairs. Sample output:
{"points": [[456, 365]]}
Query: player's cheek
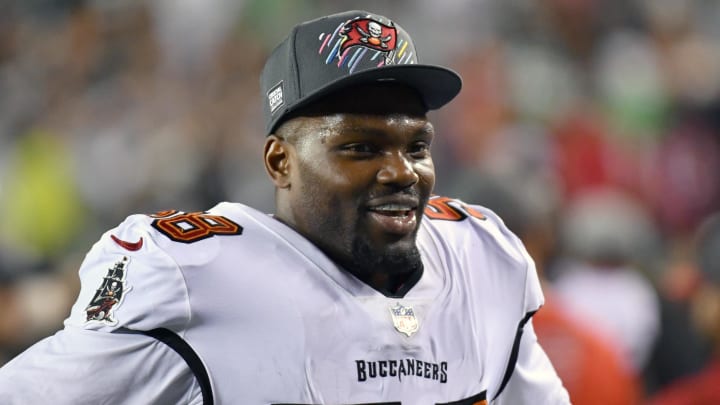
{"points": [[425, 170]]}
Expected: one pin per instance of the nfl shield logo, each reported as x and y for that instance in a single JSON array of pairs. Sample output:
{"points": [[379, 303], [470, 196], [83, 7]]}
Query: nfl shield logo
{"points": [[404, 319]]}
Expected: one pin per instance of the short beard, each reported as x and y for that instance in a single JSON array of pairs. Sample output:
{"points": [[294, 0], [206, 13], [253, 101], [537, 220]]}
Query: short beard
{"points": [[394, 267]]}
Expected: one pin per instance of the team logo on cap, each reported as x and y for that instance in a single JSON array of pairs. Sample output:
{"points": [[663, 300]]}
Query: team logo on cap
{"points": [[365, 40], [369, 33], [109, 295], [404, 319]]}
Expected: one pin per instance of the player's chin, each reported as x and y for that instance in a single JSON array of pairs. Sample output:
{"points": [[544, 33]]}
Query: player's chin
{"points": [[395, 245], [394, 255], [400, 258]]}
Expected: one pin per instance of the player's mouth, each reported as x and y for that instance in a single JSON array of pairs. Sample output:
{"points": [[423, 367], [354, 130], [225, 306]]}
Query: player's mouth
{"points": [[397, 217]]}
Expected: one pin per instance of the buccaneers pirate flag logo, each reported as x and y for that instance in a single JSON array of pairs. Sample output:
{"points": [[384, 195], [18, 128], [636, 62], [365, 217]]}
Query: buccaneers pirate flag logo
{"points": [[371, 34], [109, 295]]}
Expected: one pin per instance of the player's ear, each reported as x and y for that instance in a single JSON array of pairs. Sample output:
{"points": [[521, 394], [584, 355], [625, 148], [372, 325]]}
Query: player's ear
{"points": [[277, 164]]}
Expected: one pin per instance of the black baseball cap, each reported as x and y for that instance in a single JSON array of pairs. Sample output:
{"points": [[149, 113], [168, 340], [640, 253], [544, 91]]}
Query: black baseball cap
{"points": [[346, 49]]}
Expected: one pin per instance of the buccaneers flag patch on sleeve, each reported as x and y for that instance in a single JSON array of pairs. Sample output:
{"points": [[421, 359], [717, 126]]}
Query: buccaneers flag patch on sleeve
{"points": [[109, 294]]}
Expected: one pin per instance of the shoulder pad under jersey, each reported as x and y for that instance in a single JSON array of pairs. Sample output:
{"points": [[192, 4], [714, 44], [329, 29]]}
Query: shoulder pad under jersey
{"points": [[474, 231]]}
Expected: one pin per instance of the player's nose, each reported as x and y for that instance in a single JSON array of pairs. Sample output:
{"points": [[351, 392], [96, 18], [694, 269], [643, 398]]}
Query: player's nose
{"points": [[397, 170]]}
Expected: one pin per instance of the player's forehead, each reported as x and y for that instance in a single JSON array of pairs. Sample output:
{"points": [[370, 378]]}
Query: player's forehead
{"points": [[388, 129]]}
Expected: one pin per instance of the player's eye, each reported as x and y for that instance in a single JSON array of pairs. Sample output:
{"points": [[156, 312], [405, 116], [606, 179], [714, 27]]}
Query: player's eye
{"points": [[360, 149], [419, 149]]}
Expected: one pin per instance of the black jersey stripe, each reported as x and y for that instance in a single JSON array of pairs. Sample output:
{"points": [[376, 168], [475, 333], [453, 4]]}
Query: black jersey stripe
{"points": [[369, 403], [475, 399], [181, 347], [514, 353]]}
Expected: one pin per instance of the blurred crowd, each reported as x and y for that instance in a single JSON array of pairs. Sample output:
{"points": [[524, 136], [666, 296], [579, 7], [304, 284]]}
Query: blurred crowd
{"points": [[592, 127]]}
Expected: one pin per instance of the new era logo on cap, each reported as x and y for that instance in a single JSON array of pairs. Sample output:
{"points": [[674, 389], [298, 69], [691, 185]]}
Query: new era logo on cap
{"points": [[275, 97]]}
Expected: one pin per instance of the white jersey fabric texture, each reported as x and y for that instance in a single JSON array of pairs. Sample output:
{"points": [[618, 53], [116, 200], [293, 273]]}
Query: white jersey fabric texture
{"points": [[272, 320]]}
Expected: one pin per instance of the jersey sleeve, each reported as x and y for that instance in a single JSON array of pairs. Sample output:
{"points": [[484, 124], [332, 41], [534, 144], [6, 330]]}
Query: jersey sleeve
{"points": [[79, 366], [128, 281], [534, 380], [533, 297], [128, 285], [530, 376]]}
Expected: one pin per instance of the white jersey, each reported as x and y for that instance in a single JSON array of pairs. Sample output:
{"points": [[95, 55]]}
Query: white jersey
{"points": [[236, 307]]}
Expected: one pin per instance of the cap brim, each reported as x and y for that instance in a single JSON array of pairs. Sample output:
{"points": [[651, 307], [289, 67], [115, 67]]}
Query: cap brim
{"points": [[436, 85]]}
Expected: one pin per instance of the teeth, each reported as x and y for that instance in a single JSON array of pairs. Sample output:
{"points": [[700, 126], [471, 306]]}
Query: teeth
{"points": [[395, 210], [392, 207]]}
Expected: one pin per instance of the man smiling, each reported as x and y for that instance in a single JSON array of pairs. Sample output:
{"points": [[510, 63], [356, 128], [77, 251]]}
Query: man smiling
{"points": [[360, 179], [362, 288]]}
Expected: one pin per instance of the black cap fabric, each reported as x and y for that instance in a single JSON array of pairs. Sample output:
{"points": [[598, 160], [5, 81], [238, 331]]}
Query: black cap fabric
{"points": [[336, 51]]}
